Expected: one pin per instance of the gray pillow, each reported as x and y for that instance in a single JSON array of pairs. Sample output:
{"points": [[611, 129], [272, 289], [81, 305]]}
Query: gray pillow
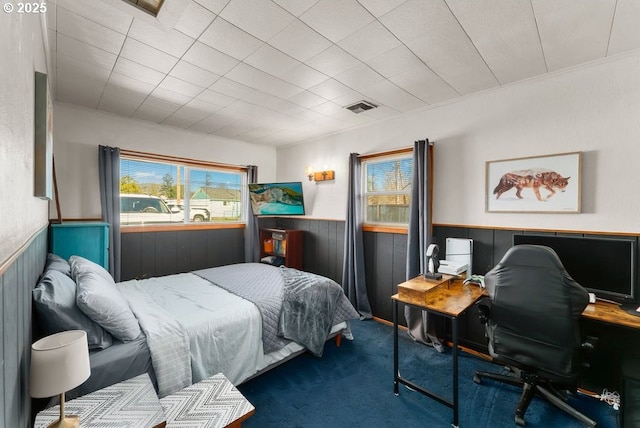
{"points": [[55, 262], [101, 301], [80, 265], [55, 304]]}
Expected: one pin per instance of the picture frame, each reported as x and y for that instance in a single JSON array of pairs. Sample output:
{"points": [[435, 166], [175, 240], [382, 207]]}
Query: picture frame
{"points": [[43, 138], [535, 184]]}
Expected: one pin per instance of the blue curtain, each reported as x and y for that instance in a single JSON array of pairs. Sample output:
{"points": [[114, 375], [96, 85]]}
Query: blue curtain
{"points": [[109, 173], [419, 237], [353, 274], [251, 233]]}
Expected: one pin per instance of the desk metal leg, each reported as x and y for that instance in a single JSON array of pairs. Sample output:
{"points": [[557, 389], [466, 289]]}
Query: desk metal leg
{"points": [[395, 347], [454, 333]]}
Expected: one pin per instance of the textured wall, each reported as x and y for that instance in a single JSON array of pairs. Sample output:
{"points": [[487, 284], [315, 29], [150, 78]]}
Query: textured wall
{"points": [[22, 52]]}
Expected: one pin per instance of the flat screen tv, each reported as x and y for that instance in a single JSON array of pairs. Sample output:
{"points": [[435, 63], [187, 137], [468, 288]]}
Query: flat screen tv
{"points": [[282, 199], [604, 266]]}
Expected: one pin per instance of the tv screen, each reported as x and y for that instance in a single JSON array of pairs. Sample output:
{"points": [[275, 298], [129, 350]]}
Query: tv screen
{"points": [[604, 266], [277, 198]]}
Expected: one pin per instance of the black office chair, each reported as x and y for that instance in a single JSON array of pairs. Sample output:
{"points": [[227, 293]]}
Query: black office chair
{"points": [[532, 315]]}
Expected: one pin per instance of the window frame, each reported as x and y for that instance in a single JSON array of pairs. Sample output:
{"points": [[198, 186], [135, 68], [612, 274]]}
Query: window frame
{"points": [[187, 224], [373, 226]]}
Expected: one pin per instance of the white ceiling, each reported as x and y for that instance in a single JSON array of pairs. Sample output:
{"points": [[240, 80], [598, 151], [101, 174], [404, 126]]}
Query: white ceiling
{"points": [[277, 72]]}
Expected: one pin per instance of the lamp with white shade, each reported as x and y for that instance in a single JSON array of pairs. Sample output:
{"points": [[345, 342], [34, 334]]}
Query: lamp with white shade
{"points": [[59, 363]]}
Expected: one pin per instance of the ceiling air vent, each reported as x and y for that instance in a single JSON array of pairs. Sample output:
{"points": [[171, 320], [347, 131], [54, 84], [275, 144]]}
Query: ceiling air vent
{"points": [[361, 106]]}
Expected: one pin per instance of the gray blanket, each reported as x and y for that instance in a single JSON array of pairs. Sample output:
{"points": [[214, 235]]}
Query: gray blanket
{"points": [[294, 305], [309, 308]]}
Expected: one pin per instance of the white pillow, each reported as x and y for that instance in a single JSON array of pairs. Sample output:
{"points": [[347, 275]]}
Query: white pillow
{"points": [[101, 301], [80, 265]]}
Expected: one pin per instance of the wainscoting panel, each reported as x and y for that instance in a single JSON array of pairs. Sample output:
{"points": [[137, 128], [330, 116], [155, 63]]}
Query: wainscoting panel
{"points": [[16, 282], [147, 254]]}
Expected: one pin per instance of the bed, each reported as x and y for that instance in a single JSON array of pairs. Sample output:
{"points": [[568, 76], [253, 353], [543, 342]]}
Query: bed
{"points": [[240, 320]]}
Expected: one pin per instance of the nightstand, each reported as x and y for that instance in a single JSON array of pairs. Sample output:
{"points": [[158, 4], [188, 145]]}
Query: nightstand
{"points": [[211, 403], [132, 403]]}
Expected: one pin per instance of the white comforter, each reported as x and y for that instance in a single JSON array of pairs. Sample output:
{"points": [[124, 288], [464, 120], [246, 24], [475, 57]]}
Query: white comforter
{"points": [[222, 331]]}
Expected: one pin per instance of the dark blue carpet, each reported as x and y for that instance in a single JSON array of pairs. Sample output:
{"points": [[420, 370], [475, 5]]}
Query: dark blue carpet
{"points": [[352, 386]]}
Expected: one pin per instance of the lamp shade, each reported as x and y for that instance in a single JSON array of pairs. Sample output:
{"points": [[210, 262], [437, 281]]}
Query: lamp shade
{"points": [[59, 363]]}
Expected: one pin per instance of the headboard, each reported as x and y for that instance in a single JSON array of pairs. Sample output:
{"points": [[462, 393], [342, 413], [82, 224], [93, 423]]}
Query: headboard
{"points": [[17, 278]]}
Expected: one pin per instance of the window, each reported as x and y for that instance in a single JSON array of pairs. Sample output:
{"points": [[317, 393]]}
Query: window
{"points": [[387, 188], [163, 192]]}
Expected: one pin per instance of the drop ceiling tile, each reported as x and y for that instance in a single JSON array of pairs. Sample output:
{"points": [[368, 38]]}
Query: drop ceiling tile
{"points": [[194, 20], [332, 61], [215, 98], [573, 33], [210, 59], [307, 99], [446, 49], [271, 60], [212, 122], [380, 7], [180, 86], [151, 114], [233, 130], [386, 93], [330, 89], [84, 53], [163, 94], [172, 42], [138, 71], [79, 89], [89, 32], [160, 104], [193, 74], [395, 61], [255, 133], [229, 87], [359, 76], [99, 12], [296, 7], [408, 20], [117, 80], [333, 110], [424, 84], [300, 41], [139, 52], [336, 19], [369, 42], [214, 6], [505, 34], [350, 98], [381, 112], [625, 34], [304, 76], [250, 76], [120, 101], [265, 20], [307, 115], [229, 39], [190, 114]]}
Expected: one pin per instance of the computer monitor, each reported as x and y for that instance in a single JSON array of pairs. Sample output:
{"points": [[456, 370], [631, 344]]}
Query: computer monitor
{"points": [[604, 266]]}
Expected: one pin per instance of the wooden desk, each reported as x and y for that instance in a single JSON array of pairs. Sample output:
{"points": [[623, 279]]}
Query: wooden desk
{"points": [[446, 297], [610, 313]]}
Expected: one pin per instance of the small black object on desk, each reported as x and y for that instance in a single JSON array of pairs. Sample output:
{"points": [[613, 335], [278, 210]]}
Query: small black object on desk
{"points": [[433, 263]]}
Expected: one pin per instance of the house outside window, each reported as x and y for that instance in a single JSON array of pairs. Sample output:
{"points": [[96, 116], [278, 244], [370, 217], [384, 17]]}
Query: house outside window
{"points": [[153, 192], [387, 189]]}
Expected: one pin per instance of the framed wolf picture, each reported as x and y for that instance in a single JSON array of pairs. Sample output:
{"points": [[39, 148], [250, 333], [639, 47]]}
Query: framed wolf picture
{"points": [[549, 184]]}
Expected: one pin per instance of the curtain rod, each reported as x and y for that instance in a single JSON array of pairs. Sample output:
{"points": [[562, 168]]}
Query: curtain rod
{"points": [[186, 161]]}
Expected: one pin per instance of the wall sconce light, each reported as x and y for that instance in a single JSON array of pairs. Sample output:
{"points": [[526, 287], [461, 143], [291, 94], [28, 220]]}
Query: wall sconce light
{"points": [[328, 174]]}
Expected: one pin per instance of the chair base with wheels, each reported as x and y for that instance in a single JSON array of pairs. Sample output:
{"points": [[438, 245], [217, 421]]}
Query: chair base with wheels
{"points": [[532, 384]]}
